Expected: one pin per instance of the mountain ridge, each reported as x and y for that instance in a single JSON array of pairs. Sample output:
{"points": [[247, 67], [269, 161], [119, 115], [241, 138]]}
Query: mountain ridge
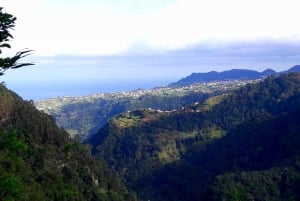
{"points": [[242, 74]]}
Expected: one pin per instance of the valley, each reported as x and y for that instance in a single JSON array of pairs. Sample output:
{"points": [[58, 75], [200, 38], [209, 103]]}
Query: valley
{"points": [[242, 145], [232, 135], [192, 137], [237, 139], [84, 115]]}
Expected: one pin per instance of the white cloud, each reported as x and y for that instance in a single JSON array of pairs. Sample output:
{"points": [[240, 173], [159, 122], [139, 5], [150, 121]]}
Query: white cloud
{"points": [[107, 27], [193, 21]]}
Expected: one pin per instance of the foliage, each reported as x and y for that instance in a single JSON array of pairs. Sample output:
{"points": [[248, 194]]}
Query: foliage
{"points": [[7, 23], [38, 161]]}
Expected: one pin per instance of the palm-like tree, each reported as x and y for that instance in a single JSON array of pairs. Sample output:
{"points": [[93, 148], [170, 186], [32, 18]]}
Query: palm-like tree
{"points": [[7, 23]]}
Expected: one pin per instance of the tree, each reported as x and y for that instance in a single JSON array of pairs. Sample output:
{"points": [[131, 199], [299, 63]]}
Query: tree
{"points": [[7, 23]]}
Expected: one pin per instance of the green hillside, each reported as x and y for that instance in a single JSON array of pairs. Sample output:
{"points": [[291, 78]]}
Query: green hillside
{"points": [[38, 161], [240, 146], [86, 115]]}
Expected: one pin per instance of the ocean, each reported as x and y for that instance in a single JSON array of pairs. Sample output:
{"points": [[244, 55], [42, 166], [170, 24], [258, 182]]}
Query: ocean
{"points": [[43, 90]]}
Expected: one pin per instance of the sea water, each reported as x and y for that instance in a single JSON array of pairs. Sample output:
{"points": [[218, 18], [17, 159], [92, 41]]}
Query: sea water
{"points": [[44, 90]]}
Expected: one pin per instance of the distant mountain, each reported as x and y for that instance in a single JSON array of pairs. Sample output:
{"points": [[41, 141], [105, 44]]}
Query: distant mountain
{"points": [[234, 74], [294, 69], [239, 146]]}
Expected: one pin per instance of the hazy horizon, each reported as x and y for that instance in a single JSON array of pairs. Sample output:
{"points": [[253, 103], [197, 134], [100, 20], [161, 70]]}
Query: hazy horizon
{"points": [[51, 89], [31, 91]]}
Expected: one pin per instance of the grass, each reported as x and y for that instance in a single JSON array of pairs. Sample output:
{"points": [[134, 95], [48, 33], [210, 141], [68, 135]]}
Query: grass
{"points": [[127, 120]]}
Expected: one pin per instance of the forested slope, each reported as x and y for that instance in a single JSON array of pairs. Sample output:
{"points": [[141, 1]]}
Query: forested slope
{"points": [[38, 161], [238, 146]]}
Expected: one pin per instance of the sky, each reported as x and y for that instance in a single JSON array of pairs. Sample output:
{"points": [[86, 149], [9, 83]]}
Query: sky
{"points": [[111, 44]]}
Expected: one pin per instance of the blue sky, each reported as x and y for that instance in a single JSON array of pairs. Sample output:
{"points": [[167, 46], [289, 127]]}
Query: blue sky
{"points": [[79, 41]]}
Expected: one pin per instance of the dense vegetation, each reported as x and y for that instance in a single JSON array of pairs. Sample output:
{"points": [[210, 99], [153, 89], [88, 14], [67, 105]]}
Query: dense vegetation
{"points": [[38, 161], [240, 146]]}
